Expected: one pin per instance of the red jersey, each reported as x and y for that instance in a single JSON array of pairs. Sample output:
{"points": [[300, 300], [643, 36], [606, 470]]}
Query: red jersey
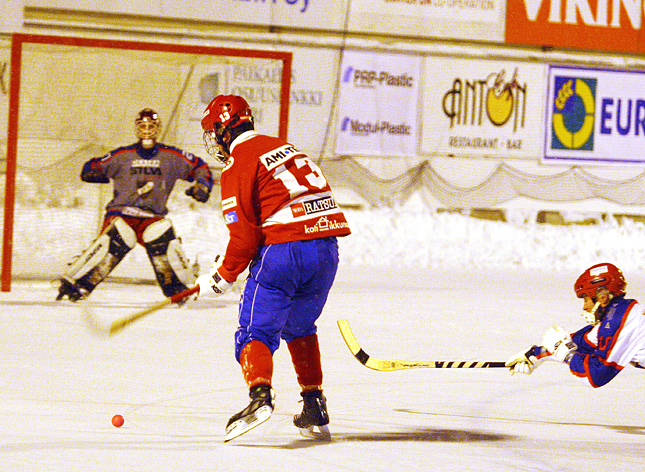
{"points": [[272, 193]]}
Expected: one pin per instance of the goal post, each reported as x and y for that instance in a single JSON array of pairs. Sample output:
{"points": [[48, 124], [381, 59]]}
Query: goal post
{"points": [[73, 98]]}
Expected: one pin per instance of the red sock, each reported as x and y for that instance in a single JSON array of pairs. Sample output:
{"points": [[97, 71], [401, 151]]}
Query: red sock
{"points": [[257, 364], [305, 355]]}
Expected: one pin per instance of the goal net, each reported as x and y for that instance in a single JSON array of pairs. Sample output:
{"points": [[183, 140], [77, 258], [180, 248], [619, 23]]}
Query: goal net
{"points": [[72, 99]]}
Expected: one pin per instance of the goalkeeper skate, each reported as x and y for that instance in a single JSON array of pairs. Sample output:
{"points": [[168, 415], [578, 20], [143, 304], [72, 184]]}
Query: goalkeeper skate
{"points": [[257, 412], [313, 420], [72, 291]]}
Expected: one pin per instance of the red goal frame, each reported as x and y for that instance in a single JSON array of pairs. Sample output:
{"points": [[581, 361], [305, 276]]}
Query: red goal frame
{"points": [[18, 40]]}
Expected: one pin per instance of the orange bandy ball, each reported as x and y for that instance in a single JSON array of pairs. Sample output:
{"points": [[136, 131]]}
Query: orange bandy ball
{"points": [[118, 421]]}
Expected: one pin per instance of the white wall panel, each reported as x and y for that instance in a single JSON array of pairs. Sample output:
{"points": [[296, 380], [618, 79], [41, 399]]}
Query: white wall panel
{"points": [[294, 13], [11, 16]]}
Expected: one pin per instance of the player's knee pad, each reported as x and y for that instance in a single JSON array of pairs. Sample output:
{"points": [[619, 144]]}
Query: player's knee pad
{"points": [[171, 266], [103, 255]]}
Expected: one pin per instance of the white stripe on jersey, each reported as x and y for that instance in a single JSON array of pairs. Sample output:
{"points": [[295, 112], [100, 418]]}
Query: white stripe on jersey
{"points": [[630, 345], [304, 208]]}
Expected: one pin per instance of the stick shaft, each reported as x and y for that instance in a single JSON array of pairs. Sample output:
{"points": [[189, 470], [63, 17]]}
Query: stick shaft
{"points": [[118, 325], [393, 364]]}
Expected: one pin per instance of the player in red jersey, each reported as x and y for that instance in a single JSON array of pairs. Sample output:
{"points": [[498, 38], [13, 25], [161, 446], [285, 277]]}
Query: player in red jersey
{"points": [[284, 222]]}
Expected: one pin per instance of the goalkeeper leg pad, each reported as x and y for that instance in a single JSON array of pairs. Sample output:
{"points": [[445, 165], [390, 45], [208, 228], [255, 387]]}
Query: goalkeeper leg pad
{"points": [[172, 268], [96, 262]]}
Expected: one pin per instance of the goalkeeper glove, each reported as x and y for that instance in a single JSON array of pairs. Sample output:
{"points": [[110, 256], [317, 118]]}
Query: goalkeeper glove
{"points": [[559, 343], [213, 283], [200, 191]]}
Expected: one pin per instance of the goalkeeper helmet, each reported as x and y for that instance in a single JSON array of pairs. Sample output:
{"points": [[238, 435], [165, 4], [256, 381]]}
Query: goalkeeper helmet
{"points": [[225, 118], [598, 276], [147, 127]]}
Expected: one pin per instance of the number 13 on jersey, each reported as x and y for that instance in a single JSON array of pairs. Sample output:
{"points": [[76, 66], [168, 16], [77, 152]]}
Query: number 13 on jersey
{"points": [[300, 175]]}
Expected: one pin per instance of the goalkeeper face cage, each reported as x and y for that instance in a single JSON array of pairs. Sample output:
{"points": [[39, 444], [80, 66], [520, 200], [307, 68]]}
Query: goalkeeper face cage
{"points": [[147, 124]]}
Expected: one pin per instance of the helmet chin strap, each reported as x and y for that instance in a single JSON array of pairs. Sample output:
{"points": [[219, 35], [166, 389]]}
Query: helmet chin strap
{"points": [[590, 316]]}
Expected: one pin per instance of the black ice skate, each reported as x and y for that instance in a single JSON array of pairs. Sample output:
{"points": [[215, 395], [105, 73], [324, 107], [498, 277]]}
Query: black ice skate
{"points": [[72, 291], [257, 412], [313, 420]]}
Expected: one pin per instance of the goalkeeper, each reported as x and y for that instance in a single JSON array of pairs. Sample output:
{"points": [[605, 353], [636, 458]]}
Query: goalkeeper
{"points": [[144, 175], [613, 337]]}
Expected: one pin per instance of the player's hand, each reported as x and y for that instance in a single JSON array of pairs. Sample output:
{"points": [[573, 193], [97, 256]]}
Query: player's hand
{"points": [[95, 176], [212, 283], [199, 191], [525, 361], [559, 343]]}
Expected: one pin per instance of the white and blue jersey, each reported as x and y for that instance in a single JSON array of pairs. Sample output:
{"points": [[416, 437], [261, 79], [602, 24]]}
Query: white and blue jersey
{"points": [[606, 348]]}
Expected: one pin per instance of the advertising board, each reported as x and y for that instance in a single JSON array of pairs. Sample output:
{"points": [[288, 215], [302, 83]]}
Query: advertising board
{"points": [[482, 108], [377, 114], [594, 116]]}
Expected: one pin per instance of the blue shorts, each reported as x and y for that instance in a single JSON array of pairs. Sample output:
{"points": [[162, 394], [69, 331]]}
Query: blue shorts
{"points": [[286, 291]]}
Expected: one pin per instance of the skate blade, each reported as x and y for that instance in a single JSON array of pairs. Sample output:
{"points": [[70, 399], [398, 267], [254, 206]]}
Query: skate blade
{"points": [[320, 433], [244, 425]]}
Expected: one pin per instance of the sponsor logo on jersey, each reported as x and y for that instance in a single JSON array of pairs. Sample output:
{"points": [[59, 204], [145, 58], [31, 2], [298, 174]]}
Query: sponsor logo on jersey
{"points": [[229, 203], [313, 206], [146, 163], [323, 224], [145, 167], [230, 217], [273, 159]]}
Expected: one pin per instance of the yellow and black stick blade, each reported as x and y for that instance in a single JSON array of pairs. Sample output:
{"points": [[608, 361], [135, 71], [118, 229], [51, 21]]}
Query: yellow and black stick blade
{"points": [[393, 364]]}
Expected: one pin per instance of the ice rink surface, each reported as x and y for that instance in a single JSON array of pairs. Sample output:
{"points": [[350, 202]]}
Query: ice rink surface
{"points": [[173, 377]]}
